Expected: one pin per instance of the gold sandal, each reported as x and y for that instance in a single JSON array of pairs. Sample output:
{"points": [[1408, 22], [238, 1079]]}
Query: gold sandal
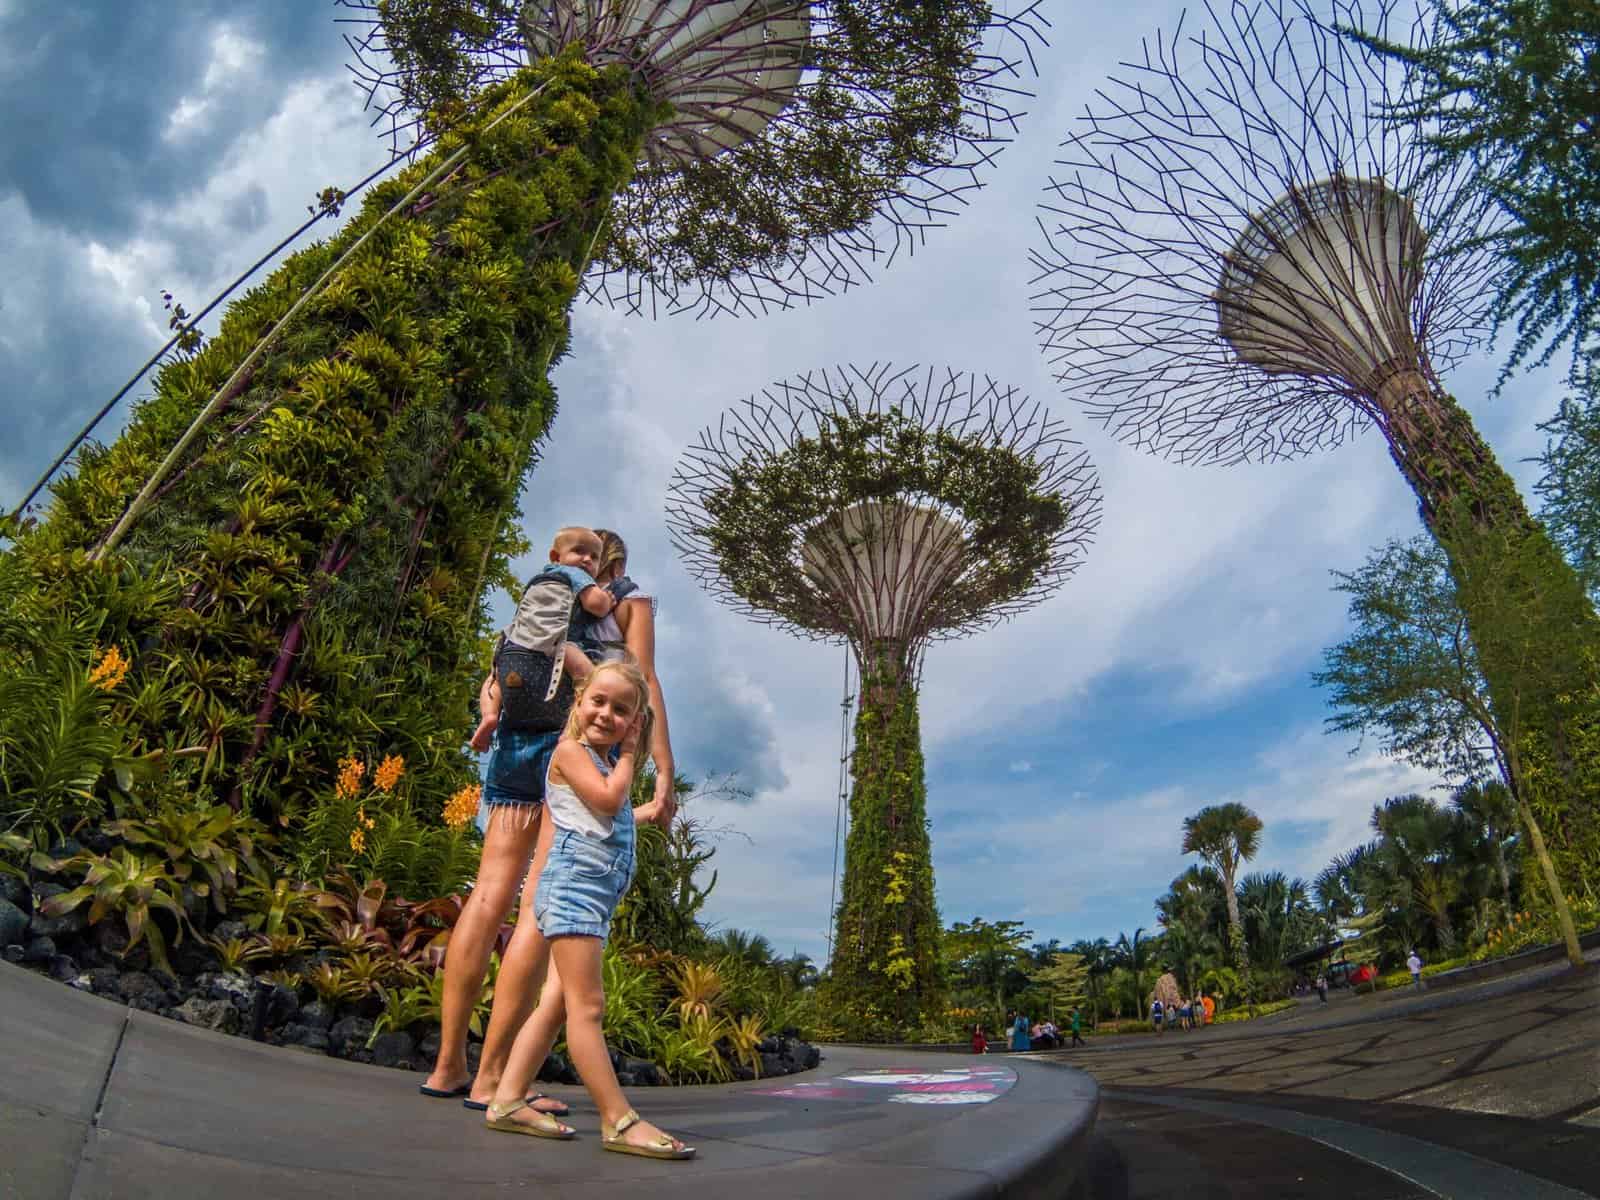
{"points": [[661, 1147], [498, 1116]]}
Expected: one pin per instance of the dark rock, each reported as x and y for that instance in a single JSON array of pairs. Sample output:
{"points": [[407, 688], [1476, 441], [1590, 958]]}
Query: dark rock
{"points": [[149, 1004], [369, 1006], [12, 953], [218, 1015], [68, 924], [110, 938], [349, 1035], [318, 1014], [772, 1065], [65, 849], [137, 985], [645, 1073], [811, 1058], [474, 1053], [770, 1045], [63, 969], [557, 1069], [428, 1043], [306, 1037], [237, 989], [626, 1079], [394, 1050], [194, 957], [106, 981], [165, 978], [226, 931], [96, 842], [742, 1073], [39, 949], [15, 890], [361, 1055], [283, 1006]]}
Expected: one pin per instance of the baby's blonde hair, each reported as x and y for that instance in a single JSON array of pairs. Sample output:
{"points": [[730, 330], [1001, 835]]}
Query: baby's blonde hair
{"points": [[633, 675], [568, 534]]}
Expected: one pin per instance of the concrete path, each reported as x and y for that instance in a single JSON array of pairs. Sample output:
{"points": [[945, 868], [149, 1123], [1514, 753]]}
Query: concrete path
{"points": [[1490, 1092], [100, 1102]]}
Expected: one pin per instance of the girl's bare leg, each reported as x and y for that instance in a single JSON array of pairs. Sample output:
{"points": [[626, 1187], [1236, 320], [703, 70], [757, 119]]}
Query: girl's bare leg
{"points": [[578, 960], [534, 1040], [522, 971], [506, 848]]}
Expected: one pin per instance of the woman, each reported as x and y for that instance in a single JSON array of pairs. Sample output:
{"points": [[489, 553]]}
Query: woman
{"points": [[522, 969]]}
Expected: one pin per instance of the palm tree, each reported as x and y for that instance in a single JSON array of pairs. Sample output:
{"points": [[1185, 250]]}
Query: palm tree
{"points": [[751, 949], [1127, 953], [1097, 956], [1420, 845], [1225, 835], [1491, 809]]}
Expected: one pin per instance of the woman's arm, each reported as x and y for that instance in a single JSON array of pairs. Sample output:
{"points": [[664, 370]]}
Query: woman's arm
{"points": [[638, 624], [605, 794]]}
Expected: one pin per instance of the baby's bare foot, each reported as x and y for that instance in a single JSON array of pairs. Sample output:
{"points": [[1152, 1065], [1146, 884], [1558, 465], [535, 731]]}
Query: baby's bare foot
{"points": [[483, 734]]}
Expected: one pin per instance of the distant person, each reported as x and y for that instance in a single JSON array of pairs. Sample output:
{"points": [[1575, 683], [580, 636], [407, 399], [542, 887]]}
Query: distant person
{"points": [[1158, 1013], [980, 1043], [1019, 1034], [1322, 988], [1210, 1006], [1077, 1028], [1414, 965]]}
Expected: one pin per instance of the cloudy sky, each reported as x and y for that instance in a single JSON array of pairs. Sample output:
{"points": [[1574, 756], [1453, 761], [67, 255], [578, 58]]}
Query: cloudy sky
{"points": [[153, 146]]}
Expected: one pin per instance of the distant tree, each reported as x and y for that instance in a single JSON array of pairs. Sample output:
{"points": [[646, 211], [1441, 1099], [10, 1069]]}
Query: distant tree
{"points": [[982, 955], [1490, 809], [1570, 486], [751, 949], [1225, 835], [1064, 979], [1098, 958], [1279, 920], [1509, 91]]}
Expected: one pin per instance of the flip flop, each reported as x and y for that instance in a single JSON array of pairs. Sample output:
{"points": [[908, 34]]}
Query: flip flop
{"points": [[499, 1117], [660, 1147], [482, 1106], [434, 1093]]}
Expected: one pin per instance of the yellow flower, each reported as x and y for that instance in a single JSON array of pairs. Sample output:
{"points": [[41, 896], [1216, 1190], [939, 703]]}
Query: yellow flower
{"points": [[363, 819], [350, 772], [358, 840], [388, 773], [462, 805], [110, 671]]}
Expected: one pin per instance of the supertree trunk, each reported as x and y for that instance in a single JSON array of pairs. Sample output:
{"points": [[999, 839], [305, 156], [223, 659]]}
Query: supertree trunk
{"points": [[1535, 632], [330, 531], [886, 946]]}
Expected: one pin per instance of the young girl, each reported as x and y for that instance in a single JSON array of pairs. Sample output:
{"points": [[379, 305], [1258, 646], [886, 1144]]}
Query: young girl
{"points": [[588, 868]]}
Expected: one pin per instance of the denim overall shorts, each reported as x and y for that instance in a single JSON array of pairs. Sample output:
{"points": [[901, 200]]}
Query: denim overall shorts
{"points": [[585, 877]]}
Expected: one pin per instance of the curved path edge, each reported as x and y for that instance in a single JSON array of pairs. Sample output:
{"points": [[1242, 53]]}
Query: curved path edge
{"points": [[101, 1101]]}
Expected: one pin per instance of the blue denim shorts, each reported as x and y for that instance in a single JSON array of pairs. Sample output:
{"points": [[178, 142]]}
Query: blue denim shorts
{"points": [[514, 774], [582, 883]]}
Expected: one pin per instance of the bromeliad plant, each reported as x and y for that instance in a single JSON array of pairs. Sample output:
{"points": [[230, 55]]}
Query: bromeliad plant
{"points": [[124, 885]]}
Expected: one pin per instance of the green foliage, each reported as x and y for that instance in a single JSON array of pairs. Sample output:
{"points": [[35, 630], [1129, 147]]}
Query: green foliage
{"points": [[1225, 835], [771, 502], [887, 972], [662, 908], [1570, 486], [1251, 1011], [1507, 97], [236, 954], [205, 848], [128, 886], [314, 568]]}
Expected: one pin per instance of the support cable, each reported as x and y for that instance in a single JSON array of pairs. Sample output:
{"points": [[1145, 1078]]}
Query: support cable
{"points": [[844, 778]]}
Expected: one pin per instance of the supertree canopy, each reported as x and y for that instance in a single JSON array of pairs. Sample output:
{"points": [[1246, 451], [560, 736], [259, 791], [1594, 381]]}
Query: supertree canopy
{"points": [[888, 508], [1241, 259], [290, 540], [795, 145]]}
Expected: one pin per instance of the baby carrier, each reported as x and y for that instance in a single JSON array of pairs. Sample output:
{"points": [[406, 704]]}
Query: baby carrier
{"points": [[535, 692]]}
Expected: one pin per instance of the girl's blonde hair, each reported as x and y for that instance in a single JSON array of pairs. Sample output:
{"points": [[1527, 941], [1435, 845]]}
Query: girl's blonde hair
{"points": [[633, 675], [613, 550]]}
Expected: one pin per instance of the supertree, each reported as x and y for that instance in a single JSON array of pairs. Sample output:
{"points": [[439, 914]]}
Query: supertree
{"points": [[1242, 259], [329, 483], [887, 507]]}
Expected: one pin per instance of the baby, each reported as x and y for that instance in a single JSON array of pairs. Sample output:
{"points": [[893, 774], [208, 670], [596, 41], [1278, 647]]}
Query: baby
{"points": [[556, 601]]}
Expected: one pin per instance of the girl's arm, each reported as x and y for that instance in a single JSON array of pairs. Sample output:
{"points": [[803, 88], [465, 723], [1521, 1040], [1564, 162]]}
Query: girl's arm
{"points": [[638, 625], [603, 794]]}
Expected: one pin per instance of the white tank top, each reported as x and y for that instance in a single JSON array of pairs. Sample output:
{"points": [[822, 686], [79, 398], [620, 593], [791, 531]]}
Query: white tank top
{"points": [[568, 811]]}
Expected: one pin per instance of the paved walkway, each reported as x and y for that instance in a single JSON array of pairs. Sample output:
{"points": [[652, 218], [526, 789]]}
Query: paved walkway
{"points": [[1486, 1092], [100, 1102]]}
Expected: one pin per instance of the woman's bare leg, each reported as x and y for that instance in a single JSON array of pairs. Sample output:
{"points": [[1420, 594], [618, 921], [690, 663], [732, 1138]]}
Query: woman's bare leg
{"points": [[507, 846], [534, 1040], [522, 971]]}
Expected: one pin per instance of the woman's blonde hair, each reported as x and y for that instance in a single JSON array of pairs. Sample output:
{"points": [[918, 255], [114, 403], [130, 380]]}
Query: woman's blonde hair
{"points": [[633, 675], [613, 550]]}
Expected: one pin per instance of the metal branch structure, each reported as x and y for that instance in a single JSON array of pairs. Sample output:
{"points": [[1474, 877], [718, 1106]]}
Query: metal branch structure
{"points": [[799, 146], [1244, 255], [887, 507]]}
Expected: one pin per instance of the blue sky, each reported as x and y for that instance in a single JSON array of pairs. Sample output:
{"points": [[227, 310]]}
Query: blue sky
{"points": [[165, 146]]}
